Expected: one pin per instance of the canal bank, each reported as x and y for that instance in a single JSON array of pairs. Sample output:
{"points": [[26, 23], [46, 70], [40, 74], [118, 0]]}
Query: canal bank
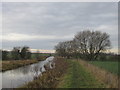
{"points": [[13, 64], [51, 77], [20, 76]]}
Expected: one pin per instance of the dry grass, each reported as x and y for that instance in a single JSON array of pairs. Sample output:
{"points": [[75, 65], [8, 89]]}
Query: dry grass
{"points": [[102, 75], [8, 65], [50, 78]]}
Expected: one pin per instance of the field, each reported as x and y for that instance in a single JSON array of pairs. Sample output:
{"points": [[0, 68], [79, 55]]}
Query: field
{"points": [[103, 75], [110, 66], [78, 77], [41, 56], [8, 65]]}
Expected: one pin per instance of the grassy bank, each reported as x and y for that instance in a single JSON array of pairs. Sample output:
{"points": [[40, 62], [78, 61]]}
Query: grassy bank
{"points": [[109, 79], [51, 77], [8, 65], [110, 66], [78, 77], [74, 74]]}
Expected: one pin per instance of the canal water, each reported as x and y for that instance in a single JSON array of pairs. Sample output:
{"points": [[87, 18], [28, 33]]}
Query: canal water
{"points": [[20, 76]]}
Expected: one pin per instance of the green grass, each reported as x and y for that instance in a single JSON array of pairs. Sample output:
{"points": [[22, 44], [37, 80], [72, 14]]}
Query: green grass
{"points": [[78, 77], [110, 66]]}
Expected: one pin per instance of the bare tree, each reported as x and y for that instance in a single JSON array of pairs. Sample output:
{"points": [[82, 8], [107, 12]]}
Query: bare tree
{"points": [[4, 54], [21, 53], [86, 44], [70, 48], [16, 53], [66, 49], [91, 43], [60, 49], [25, 52]]}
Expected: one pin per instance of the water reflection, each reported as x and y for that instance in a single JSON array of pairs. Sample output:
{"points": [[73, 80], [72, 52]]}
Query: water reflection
{"points": [[22, 75]]}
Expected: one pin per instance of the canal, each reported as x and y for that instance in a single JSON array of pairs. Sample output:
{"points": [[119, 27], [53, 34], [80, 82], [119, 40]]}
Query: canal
{"points": [[20, 76]]}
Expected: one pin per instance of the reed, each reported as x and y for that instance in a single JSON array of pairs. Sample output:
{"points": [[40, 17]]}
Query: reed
{"points": [[51, 77]]}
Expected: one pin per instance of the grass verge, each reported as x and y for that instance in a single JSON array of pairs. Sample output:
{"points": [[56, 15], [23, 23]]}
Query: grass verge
{"points": [[109, 79], [78, 77], [8, 65]]}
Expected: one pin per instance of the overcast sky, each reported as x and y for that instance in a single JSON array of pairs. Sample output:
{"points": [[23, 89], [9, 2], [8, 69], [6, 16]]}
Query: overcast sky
{"points": [[42, 25]]}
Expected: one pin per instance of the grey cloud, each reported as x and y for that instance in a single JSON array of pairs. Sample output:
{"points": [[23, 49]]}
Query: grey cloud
{"points": [[58, 19]]}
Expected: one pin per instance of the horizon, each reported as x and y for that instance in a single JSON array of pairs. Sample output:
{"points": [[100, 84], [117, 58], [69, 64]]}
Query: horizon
{"points": [[115, 51]]}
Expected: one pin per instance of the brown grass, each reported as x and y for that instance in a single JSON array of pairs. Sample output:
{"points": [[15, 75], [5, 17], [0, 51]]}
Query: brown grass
{"points": [[50, 78], [102, 75], [8, 65]]}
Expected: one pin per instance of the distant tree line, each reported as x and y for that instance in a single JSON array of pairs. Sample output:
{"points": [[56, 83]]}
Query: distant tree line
{"points": [[108, 57], [86, 44], [17, 53], [23, 53]]}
